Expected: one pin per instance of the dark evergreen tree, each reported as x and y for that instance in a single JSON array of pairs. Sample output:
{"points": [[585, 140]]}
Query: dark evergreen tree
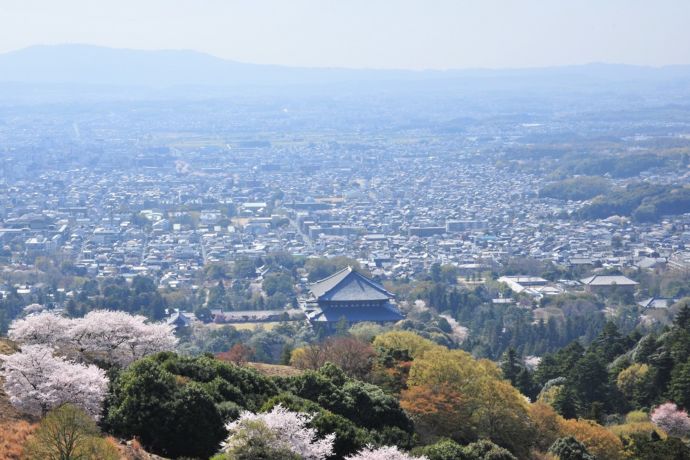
{"points": [[651, 447], [565, 403], [679, 388], [609, 343], [590, 380], [644, 349], [510, 365], [525, 384], [569, 448], [682, 319]]}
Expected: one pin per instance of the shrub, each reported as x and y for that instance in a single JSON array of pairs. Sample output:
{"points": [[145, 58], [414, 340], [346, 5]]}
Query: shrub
{"points": [[637, 416], [171, 417], [364, 404], [487, 450], [599, 441], [445, 449], [69, 433], [569, 448], [13, 435], [644, 446], [636, 422]]}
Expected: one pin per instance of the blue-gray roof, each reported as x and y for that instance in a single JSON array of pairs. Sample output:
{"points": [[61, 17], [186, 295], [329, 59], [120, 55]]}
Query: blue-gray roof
{"points": [[348, 285], [608, 280], [379, 314], [179, 319]]}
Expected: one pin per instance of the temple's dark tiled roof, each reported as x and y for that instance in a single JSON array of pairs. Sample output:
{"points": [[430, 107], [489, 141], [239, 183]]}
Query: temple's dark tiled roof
{"points": [[350, 295], [383, 313], [348, 285], [179, 320]]}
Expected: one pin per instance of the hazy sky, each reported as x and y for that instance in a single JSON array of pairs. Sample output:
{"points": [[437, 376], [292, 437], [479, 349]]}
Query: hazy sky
{"points": [[368, 33]]}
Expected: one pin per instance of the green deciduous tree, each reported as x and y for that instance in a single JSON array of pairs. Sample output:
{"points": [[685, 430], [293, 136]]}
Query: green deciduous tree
{"points": [[68, 433]]}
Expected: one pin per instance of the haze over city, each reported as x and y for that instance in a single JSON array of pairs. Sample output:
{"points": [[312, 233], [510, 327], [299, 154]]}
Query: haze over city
{"points": [[404, 34]]}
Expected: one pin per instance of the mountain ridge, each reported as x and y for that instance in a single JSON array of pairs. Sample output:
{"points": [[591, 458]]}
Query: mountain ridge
{"points": [[91, 64]]}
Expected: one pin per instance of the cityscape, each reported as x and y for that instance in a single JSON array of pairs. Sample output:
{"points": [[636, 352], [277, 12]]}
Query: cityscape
{"points": [[165, 204]]}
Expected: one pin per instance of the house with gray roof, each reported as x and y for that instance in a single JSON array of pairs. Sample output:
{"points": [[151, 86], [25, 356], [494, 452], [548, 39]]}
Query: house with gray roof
{"points": [[607, 283], [656, 302]]}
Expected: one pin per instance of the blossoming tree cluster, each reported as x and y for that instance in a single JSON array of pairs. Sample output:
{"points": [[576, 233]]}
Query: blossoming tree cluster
{"points": [[55, 364], [671, 419], [36, 381], [383, 453], [283, 430], [112, 337]]}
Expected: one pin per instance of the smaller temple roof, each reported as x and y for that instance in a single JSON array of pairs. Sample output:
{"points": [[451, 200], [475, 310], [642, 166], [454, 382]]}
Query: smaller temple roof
{"points": [[608, 280], [178, 320]]}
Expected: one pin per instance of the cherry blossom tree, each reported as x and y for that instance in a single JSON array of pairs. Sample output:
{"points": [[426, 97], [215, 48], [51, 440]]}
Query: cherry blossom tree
{"points": [[672, 420], [113, 337], [288, 431], [45, 328], [118, 337], [36, 381], [383, 453]]}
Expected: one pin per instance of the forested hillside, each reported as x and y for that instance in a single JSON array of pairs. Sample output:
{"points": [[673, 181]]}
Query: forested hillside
{"points": [[388, 395]]}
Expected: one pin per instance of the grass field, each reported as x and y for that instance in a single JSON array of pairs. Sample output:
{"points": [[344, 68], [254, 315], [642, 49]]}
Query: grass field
{"points": [[275, 370], [251, 326]]}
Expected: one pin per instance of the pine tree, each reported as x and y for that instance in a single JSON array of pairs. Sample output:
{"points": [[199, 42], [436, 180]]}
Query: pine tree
{"points": [[286, 354], [565, 403], [342, 327], [682, 319], [609, 343], [679, 388], [589, 378], [525, 383], [510, 365], [645, 348]]}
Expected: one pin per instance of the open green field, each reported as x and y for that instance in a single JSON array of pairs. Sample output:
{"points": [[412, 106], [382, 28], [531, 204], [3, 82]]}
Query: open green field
{"points": [[249, 326]]}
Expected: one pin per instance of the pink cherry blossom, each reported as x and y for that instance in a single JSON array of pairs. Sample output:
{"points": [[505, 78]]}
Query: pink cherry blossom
{"points": [[118, 337], [113, 337], [36, 381], [290, 430], [383, 453], [673, 421], [45, 328]]}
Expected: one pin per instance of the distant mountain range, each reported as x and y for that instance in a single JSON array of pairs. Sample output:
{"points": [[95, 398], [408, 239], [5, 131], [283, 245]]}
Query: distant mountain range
{"points": [[95, 65]]}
